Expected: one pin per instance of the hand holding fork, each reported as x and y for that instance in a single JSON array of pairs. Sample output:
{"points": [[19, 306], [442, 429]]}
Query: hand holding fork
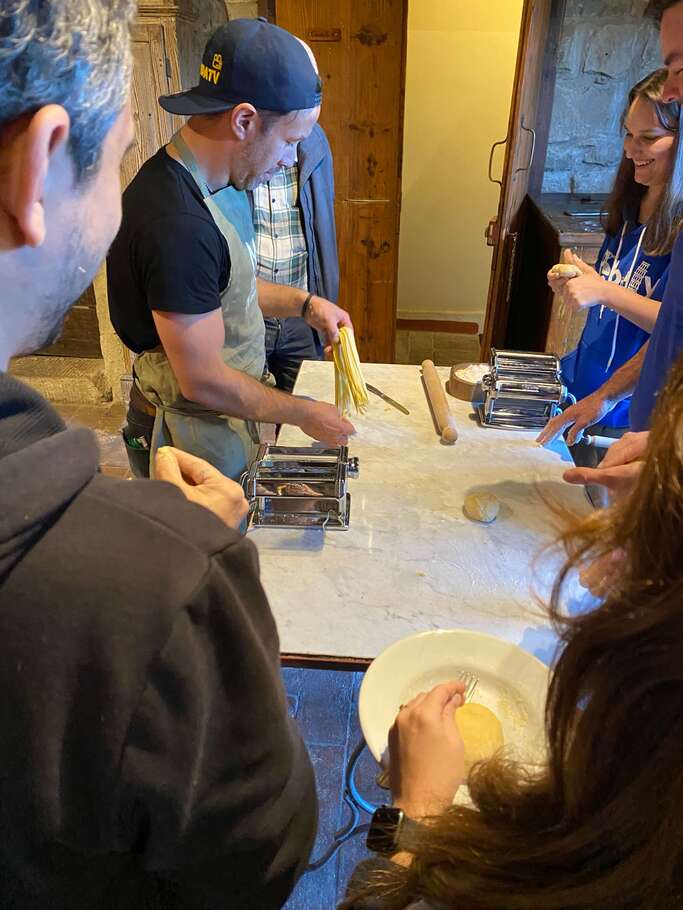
{"points": [[465, 683]]}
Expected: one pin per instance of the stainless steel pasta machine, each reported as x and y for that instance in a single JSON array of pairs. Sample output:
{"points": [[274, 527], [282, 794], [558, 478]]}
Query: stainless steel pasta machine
{"points": [[522, 391], [300, 487]]}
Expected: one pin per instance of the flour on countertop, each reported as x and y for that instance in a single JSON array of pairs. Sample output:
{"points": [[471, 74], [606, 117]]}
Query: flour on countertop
{"points": [[475, 372]]}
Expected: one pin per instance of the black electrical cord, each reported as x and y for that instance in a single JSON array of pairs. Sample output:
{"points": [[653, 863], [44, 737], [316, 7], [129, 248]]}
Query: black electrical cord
{"points": [[355, 802]]}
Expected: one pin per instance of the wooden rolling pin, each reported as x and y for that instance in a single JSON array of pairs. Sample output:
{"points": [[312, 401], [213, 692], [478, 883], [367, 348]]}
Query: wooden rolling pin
{"points": [[439, 403]]}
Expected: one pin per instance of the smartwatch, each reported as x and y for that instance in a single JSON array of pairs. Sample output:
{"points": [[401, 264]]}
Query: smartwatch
{"points": [[385, 828]]}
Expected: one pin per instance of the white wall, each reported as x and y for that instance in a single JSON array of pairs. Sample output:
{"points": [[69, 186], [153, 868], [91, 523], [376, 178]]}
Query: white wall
{"points": [[460, 69]]}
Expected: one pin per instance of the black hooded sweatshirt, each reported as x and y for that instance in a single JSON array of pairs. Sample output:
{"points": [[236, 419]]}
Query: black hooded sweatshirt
{"points": [[146, 758]]}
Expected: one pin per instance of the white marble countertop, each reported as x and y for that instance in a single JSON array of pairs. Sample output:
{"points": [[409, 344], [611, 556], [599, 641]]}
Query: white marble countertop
{"points": [[410, 560]]}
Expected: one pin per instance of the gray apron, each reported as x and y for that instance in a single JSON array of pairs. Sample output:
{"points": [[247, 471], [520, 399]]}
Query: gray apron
{"points": [[228, 443]]}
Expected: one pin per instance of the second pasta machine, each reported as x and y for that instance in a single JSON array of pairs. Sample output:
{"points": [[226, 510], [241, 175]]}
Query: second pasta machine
{"points": [[523, 390]]}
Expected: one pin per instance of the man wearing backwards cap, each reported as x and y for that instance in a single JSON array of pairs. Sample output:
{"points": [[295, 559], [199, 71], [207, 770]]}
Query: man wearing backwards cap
{"points": [[183, 293]]}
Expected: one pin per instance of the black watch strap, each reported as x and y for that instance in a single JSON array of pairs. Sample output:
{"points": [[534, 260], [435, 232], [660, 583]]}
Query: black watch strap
{"points": [[306, 305], [385, 829]]}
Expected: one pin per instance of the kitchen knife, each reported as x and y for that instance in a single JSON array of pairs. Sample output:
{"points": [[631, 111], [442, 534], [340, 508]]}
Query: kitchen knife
{"points": [[386, 398]]}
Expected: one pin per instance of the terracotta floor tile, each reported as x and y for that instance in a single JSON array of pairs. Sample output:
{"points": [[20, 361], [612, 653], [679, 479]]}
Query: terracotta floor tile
{"points": [[106, 421]]}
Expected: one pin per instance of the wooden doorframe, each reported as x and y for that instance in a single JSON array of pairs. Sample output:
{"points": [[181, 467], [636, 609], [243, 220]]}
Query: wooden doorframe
{"points": [[399, 166], [511, 216]]}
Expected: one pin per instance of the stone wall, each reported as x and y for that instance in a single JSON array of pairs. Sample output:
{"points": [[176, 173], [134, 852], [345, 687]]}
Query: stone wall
{"points": [[605, 48]]}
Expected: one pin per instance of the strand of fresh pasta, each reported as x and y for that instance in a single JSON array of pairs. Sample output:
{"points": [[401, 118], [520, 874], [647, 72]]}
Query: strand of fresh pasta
{"points": [[349, 385]]}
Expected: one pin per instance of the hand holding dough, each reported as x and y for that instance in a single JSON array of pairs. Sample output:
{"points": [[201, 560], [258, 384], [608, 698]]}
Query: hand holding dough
{"points": [[481, 731], [481, 507]]}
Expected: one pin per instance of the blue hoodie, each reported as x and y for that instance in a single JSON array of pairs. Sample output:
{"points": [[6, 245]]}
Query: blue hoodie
{"points": [[665, 346], [609, 340]]}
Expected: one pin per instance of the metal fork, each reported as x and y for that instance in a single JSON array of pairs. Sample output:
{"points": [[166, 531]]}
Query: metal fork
{"points": [[470, 681]]}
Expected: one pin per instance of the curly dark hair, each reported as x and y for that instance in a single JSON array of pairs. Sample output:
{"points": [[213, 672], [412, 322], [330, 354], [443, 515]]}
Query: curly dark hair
{"points": [[75, 53]]}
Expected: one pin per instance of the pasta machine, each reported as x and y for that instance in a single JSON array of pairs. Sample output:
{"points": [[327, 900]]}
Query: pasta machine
{"points": [[300, 487], [523, 390]]}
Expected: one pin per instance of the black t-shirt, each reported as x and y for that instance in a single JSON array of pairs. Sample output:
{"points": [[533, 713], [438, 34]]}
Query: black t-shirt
{"points": [[168, 255]]}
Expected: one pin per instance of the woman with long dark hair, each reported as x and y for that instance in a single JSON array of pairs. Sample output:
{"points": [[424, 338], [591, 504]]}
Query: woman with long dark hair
{"points": [[643, 218], [601, 826]]}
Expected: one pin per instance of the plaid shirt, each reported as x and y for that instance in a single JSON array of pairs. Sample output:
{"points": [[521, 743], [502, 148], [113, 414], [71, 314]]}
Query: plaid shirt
{"points": [[281, 251]]}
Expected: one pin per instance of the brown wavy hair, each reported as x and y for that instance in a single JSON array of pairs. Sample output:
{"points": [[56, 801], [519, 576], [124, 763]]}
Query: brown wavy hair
{"points": [[624, 200], [601, 827]]}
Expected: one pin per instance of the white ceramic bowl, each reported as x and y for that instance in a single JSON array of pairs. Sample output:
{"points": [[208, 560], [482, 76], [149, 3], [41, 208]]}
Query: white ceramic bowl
{"points": [[512, 683]]}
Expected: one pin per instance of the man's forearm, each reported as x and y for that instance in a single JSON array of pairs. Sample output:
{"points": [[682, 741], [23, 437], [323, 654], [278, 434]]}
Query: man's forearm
{"points": [[237, 394], [279, 299], [623, 382]]}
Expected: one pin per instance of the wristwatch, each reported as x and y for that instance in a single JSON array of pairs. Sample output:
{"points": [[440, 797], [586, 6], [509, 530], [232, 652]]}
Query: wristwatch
{"points": [[306, 305], [385, 827]]}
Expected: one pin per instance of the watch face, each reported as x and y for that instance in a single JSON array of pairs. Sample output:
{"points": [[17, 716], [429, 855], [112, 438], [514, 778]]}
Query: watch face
{"points": [[384, 828]]}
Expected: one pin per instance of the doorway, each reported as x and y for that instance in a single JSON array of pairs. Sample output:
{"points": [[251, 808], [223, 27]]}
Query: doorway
{"points": [[459, 82], [415, 94]]}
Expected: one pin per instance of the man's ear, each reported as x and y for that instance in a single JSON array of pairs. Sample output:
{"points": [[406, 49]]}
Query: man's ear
{"points": [[36, 145], [244, 120]]}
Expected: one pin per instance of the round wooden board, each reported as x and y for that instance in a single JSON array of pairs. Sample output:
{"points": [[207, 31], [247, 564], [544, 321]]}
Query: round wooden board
{"points": [[460, 388]]}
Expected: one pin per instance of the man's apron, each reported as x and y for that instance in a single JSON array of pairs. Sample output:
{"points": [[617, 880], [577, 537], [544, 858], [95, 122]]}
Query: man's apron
{"points": [[228, 443]]}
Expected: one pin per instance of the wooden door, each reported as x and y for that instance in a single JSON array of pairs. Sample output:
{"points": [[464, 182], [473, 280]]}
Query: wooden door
{"points": [[155, 72], [153, 75], [520, 148], [360, 48], [151, 78]]}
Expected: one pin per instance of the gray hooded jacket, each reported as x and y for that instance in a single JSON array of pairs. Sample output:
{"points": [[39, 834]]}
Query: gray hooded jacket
{"points": [[316, 201]]}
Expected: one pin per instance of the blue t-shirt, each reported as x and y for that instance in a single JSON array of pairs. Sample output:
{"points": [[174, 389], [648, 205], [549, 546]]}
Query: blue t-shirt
{"points": [[666, 344], [609, 340]]}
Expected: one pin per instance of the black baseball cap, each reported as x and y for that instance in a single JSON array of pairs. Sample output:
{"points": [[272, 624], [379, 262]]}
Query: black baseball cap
{"points": [[250, 60]]}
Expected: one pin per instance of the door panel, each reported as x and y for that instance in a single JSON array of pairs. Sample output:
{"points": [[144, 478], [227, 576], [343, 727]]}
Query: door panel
{"points": [[360, 48], [152, 76], [368, 266], [153, 125], [519, 152]]}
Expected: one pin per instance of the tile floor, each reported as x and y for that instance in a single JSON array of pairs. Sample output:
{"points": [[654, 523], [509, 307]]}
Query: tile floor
{"points": [[106, 421], [325, 704], [444, 348]]}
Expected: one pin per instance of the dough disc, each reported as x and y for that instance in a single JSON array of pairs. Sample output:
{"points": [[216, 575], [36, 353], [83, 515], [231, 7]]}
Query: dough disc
{"points": [[565, 270], [481, 507], [481, 733]]}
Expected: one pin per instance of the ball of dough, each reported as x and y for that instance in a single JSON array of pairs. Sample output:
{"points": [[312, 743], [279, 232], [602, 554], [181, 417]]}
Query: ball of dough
{"points": [[565, 270], [481, 507], [481, 733]]}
